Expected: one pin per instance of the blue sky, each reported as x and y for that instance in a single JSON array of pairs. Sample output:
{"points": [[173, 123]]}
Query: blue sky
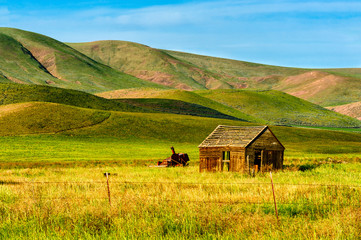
{"points": [[309, 33]]}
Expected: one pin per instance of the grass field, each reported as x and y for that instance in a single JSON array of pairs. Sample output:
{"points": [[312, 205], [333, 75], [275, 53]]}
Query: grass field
{"points": [[52, 185], [179, 203]]}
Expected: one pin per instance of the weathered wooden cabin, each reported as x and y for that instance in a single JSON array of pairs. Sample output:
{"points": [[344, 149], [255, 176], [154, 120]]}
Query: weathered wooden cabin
{"points": [[240, 149]]}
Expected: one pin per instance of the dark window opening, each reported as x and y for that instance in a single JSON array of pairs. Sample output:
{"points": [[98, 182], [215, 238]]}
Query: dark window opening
{"points": [[226, 155], [226, 158]]}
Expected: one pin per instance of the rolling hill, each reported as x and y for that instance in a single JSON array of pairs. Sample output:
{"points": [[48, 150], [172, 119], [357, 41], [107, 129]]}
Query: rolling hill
{"points": [[134, 129], [276, 107], [31, 58], [195, 72], [21, 93], [351, 109], [107, 68], [39, 117], [182, 70], [94, 67], [260, 106]]}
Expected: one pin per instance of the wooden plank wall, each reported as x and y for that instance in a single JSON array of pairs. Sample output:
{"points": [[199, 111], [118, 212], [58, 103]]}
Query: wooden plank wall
{"points": [[210, 159], [273, 151]]}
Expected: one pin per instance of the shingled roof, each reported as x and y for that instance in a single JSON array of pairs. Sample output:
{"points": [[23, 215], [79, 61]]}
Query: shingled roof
{"points": [[232, 136]]}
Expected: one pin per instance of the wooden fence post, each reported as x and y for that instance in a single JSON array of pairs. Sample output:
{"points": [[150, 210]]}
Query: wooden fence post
{"points": [[107, 175], [274, 197]]}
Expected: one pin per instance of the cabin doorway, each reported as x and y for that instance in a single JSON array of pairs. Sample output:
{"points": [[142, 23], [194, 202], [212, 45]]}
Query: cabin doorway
{"points": [[257, 160]]}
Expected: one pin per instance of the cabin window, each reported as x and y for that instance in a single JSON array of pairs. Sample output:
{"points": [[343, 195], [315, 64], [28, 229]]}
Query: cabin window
{"points": [[226, 155], [225, 160]]}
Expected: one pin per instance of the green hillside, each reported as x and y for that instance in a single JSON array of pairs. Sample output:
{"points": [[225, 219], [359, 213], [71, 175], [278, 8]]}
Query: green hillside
{"points": [[37, 59], [18, 65], [241, 74], [183, 70], [276, 107], [181, 95], [190, 72], [261, 106], [37, 117], [111, 65], [151, 64], [175, 107], [322, 87], [20, 93], [141, 132]]}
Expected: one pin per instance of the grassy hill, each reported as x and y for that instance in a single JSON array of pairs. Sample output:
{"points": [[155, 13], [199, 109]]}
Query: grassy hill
{"points": [[37, 59], [138, 135], [191, 72], [111, 65], [151, 64], [264, 107], [38, 117], [326, 89], [276, 107], [20, 93], [351, 109], [182, 70], [180, 95]]}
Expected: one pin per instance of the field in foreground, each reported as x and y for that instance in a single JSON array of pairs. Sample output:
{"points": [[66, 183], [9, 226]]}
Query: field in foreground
{"points": [[322, 201], [52, 187]]}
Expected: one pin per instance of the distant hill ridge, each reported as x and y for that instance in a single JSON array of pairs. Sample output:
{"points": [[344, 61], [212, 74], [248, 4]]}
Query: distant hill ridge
{"points": [[195, 72], [31, 58]]}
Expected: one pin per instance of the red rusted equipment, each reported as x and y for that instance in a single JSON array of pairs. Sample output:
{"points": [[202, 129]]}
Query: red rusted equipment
{"points": [[176, 160]]}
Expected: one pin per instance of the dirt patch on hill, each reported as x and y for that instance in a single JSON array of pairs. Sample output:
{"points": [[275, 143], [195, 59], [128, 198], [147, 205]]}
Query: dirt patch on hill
{"points": [[310, 84], [15, 80], [130, 93], [351, 109], [46, 57], [14, 108], [162, 78], [301, 78]]}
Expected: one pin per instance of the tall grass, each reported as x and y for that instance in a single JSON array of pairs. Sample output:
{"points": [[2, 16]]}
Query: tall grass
{"points": [[178, 203]]}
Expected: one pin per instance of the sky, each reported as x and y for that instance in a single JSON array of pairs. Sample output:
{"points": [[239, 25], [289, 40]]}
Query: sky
{"points": [[307, 34]]}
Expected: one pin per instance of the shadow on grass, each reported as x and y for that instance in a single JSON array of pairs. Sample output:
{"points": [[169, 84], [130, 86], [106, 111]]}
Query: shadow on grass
{"points": [[308, 167], [9, 183]]}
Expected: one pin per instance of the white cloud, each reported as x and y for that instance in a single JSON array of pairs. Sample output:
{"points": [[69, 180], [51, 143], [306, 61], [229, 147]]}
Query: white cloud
{"points": [[208, 12]]}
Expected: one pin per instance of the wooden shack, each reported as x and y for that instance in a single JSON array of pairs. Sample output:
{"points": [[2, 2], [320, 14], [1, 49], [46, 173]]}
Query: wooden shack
{"points": [[240, 149]]}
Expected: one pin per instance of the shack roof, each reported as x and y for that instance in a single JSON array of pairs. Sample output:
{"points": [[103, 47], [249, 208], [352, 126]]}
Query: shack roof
{"points": [[232, 136]]}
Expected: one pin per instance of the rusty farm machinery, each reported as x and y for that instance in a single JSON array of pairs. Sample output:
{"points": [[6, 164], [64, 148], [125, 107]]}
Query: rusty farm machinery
{"points": [[176, 160]]}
